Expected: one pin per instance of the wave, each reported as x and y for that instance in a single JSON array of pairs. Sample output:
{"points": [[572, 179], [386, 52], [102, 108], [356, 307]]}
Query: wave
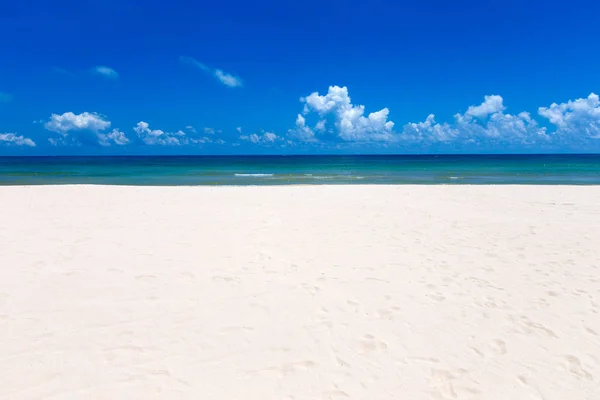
{"points": [[253, 175]]}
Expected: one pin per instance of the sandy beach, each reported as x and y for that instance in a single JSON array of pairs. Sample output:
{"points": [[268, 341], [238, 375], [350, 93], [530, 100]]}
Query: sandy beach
{"points": [[316, 292]]}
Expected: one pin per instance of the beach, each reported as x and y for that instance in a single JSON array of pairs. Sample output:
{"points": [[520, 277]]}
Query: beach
{"points": [[300, 292]]}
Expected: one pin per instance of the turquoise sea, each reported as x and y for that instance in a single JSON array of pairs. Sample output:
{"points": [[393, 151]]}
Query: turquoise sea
{"points": [[299, 170]]}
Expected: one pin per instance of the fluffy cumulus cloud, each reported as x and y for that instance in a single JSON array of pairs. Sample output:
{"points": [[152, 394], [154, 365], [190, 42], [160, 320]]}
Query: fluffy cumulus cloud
{"points": [[349, 122], [225, 78], [265, 138], [70, 121], [87, 128], [491, 105], [211, 131], [15, 140], [106, 72], [483, 123], [575, 117], [159, 137], [115, 136]]}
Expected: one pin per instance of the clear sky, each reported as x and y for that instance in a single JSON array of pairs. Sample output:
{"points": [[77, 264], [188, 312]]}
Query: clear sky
{"points": [[297, 77]]}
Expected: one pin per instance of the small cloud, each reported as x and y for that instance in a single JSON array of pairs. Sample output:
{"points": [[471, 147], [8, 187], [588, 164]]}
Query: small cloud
{"points": [[193, 62], [191, 128], [5, 97], [239, 129], [209, 131], [491, 105], [225, 78], [116, 137], [266, 138], [228, 79], [16, 140], [106, 72], [159, 137]]}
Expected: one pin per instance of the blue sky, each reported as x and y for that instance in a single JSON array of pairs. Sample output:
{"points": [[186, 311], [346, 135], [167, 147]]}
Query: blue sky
{"points": [[287, 77]]}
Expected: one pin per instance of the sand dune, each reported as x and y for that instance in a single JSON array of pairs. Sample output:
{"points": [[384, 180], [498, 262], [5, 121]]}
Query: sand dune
{"points": [[347, 292]]}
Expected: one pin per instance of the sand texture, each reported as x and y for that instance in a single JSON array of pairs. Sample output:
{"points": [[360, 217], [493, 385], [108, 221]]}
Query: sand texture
{"points": [[320, 292]]}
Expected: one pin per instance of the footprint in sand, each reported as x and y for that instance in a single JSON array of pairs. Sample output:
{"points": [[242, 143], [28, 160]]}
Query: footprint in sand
{"points": [[498, 346], [574, 367], [368, 344]]}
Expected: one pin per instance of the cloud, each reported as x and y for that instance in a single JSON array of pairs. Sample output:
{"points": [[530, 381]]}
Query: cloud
{"points": [[491, 105], [228, 79], [5, 97], [302, 132], [179, 138], [224, 77], [239, 129], [157, 136], [209, 131], [482, 123], [69, 121], [191, 128], [349, 122], [106, 72], [266, 138], [88, 128], [13, 139], [115, 136], [575, 117]]}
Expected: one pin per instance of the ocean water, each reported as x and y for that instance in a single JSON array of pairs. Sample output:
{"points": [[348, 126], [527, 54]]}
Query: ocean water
{"points": [[299, 170]]}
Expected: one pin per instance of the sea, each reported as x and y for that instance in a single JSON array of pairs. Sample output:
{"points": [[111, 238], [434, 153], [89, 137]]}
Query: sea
{"points": [[303, 170]]}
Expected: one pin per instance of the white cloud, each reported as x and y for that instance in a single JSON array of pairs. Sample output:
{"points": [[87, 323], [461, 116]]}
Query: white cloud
{"points": [[83, 126], [349, 120], [209, 131], [301, 131], [225, 78], [491, 105], [192, 61], [320, 126], [69, 121], [239, 129], [266, 138], [115, 136], [270, 137], [228, 79], [13, 139], [575, 117], [157, 136], [480, 123], [429, 130], [177, 138], [5, 97], [106, 72]]}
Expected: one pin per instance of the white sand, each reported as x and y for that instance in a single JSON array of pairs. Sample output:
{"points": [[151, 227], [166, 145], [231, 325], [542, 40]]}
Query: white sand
{"points": [[357, 292]]}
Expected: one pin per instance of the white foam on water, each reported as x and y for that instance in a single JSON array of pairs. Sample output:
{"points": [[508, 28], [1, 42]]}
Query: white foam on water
{"points": [[253, 175]]}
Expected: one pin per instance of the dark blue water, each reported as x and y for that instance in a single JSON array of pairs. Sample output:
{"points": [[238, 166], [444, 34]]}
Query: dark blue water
{"points": [[282, 170]]}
